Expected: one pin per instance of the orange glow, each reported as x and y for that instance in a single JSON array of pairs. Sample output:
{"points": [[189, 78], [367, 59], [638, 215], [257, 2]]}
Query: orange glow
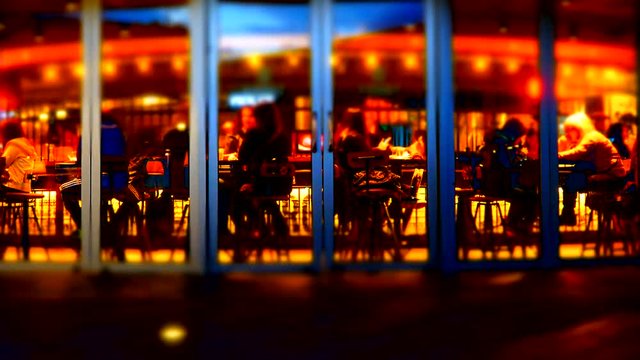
{"points": [[612, 75], [534, 88], [107, 105], [51, 73], [293, 60], [143, 64], [254, 61], [109, 68], [371, 61], [78, 70], [591, 72], [481, 64], [512, 65], [566, 70], [334, 60], [178, 64], [411, 61], [306, 140]]}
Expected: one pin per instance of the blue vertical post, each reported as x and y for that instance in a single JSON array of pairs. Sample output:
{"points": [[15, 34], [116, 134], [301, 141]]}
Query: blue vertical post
{"points": [[212, 123], [445, 114], [548, 135], [431, 56]]}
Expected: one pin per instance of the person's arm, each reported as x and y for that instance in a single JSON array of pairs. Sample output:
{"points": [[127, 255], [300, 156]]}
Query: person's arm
{"points": [[580, 152], [11, 153]]}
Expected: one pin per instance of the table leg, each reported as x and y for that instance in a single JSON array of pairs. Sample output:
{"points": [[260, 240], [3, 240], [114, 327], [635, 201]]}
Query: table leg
{"points": [[25, 229]]}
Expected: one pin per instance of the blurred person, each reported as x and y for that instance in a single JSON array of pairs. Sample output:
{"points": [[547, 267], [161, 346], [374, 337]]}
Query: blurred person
{"points": [[597, 159], [505, 173], [618, 134], [267, 141], [20, 156]]}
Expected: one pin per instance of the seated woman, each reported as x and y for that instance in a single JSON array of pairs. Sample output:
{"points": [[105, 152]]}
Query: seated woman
{"points": [[20, 157], [595, 151], [266, 142]]}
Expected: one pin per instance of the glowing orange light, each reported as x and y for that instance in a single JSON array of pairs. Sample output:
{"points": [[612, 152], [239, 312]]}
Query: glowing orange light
{"points": [[306, 140], [78, 70], [512, 65], [411, 61], [254, 61], [612, 75], [481, 64], [371, 61], [143, 64], [591, 73], [109, 68], [50, 73], [334, 60], [534, 88], [294, 60], [178, 64], [107, 105], [566, 70]]}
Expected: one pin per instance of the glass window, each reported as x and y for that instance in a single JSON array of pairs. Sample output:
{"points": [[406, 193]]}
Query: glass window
{"points": [[264, 144], [496, 138], [40, 77], [378, 65], [596, 89], [145, 132]]}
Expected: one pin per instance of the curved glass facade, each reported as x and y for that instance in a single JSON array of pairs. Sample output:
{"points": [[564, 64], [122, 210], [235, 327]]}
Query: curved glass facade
{"points": [[318, 134]]}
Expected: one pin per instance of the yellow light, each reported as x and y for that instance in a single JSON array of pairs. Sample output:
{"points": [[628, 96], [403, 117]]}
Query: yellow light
{"points": [[371, 61], [143, 64], [534, 88], [254, 61], [512, 65], [173, 334], [612, 75], [334, 60], [178, 64], [50, 73], [410, 61], [481, 64], [61, 114], [78, 70], [591, 73], [109, 68], [566, 70], [43, 116], [181, 126], [151, 100]]}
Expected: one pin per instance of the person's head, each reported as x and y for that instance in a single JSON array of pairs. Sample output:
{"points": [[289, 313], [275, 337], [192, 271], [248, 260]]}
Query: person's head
{"points": [[576, 126], [618, 132], [353, 119], [268, 118], [513, 128], [11, 129]]}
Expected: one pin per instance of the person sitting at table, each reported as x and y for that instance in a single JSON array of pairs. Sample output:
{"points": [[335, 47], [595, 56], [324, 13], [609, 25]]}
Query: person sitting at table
{"points": [[112, 147], [503, 175], [20, 157], [266, 142], [593, 153], [351, 138], [618, 134]]}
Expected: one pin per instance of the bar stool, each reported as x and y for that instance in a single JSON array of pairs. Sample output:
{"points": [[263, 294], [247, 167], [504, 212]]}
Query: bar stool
{"points": [[23, 199], [486, 233]]}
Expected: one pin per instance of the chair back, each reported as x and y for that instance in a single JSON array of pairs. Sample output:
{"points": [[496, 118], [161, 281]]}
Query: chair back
{"points": [[367, 159], [275, 179]]}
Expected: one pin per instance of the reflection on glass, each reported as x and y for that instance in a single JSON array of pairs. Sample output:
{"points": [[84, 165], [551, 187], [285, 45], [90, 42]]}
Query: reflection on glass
{"points": [[145, 137], [379, 132], [496, 136], [40, 118], [264, 147], [597, 127]]}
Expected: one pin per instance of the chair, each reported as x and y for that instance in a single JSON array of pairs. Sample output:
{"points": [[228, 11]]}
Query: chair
{"points": [[374, 201], [604, 198], [266, 227]]}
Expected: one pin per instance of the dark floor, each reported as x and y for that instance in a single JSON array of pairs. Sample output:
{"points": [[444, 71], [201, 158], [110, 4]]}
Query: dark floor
{"points": [[570, 314]]}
